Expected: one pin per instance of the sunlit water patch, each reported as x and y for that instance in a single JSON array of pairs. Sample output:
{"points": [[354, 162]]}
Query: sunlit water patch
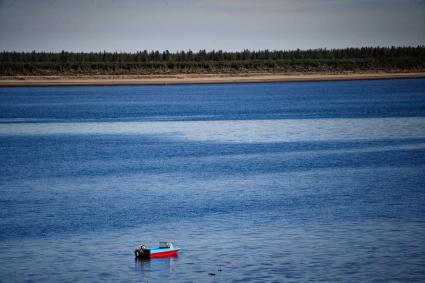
{"points": [[246, 131]]}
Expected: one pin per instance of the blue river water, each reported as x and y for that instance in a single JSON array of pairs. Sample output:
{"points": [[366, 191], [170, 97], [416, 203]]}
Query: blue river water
{"points": [[279, 182]]}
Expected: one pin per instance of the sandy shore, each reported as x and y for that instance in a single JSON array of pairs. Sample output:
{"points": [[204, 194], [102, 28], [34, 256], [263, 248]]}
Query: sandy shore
{"points": [[195, 78]]}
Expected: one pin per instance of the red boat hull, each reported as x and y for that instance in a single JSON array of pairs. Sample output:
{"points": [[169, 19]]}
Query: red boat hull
{"points": [[164, 254]]}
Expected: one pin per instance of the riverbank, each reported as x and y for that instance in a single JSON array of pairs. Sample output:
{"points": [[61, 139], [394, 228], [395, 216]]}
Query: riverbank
{"points": [[197, 78]]}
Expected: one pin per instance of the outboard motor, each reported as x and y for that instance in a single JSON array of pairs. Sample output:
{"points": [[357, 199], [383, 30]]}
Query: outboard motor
{"points": [[142, 253]]}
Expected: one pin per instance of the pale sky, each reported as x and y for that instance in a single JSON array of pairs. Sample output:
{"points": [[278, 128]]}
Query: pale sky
{"points": [[130, 25]]}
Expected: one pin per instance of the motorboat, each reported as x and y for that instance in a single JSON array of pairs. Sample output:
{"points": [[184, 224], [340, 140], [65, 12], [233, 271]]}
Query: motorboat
{"points": [[165, 249]]}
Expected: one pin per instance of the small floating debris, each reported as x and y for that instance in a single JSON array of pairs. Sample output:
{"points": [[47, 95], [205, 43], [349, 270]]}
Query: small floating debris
{"points": [[165, 249], [211, 274]]}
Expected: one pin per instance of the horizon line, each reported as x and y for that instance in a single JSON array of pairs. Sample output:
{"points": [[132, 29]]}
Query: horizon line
{"points": [[212, 50]]}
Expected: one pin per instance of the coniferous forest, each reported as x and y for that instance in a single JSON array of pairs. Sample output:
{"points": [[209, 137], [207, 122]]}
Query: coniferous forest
{"points": [[155, 62]]}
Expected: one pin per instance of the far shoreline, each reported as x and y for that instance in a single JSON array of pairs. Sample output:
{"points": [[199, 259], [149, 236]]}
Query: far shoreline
{"points": [[178, 79]]}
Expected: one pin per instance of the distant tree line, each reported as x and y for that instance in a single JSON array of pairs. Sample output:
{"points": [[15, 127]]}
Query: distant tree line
{"points": [[155, 62]]}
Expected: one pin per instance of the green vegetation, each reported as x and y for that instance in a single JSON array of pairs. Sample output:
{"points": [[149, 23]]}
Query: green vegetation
{"points": [[155, 62]]}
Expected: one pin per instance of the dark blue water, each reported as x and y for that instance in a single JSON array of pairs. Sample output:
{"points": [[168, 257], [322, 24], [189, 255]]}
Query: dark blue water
{"points": [[255, 182]]}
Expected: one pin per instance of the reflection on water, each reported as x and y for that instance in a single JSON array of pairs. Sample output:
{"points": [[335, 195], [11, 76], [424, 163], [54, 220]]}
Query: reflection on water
{"points": [[148, 265]]}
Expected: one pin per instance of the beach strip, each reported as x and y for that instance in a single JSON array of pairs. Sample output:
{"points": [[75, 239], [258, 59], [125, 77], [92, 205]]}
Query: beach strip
{"points": [[98, 80]]}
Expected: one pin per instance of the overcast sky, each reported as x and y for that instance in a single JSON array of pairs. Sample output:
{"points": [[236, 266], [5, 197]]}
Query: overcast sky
{"points": [[94, 25]]}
